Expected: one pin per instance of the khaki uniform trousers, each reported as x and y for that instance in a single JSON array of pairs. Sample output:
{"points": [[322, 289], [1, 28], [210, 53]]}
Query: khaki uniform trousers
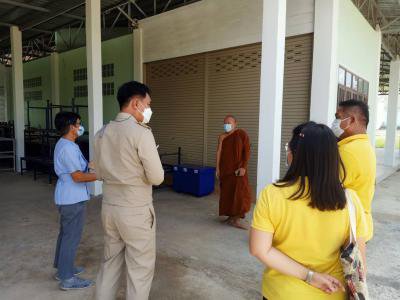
{"points": [[129, 238]]}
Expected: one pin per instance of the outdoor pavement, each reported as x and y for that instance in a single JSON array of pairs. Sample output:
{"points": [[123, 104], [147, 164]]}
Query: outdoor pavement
{"points": [[382, 171], [198, 257]]}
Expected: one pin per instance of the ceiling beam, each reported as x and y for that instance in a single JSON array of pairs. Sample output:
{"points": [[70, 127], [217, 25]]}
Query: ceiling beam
{"points": [[71, 16], [387, 48], [41, 30], [391, 31], [6, 24], [138, 7], [24, 5], [167, 5], [125, 14], [391, 23], [53, 16]]}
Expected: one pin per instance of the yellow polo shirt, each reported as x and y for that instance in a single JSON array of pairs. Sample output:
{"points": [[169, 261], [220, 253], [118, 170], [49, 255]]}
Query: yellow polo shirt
{"points": [[309, 236], [359, 161]]}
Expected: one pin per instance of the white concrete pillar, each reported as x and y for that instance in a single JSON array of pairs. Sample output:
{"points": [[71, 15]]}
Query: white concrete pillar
{"points": [[138, 55], [55, 77], [373, 91], [3, 93], [94, 75], [391, 124], [18, 92], [325, 66], [271, 92]]}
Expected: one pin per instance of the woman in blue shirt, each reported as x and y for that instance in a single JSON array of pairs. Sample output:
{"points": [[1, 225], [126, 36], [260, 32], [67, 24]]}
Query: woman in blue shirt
{"points": [[71, 196]]}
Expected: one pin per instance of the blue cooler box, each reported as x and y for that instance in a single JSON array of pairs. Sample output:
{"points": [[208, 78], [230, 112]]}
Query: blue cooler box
{"points": [[195, 180]]}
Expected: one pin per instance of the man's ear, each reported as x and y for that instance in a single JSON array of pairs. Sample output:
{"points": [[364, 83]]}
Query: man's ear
{"points": [[133, 103]]}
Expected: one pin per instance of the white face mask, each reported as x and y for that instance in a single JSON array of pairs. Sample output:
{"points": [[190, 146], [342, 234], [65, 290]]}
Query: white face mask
{"points": [[81, 130], [147, 113], [337, 130], [228, 127]]}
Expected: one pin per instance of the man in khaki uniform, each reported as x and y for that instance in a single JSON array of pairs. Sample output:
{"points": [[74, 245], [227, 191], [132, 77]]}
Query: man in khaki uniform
{"points": [[127, 160]]}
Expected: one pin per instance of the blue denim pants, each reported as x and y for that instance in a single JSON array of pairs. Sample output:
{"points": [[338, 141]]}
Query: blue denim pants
{"points": [[72, 219]]}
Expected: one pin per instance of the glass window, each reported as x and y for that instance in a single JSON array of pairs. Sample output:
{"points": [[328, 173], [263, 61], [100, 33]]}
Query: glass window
{"points": [[342, 75], [355, 83], [108, 88], [348, 79], [33, 82], [33, 95], [80, 91], [108, 70], [366, 88], [360, 85], [80, 74]]}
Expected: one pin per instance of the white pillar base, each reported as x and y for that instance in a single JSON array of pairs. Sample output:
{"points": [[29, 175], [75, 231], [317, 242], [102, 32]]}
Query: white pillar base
{"points": [[96, 188]]}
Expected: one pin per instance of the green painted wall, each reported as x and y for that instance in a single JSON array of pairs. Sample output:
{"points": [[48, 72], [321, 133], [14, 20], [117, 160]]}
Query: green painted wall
{"points": [[69, 61], [120, 52], [117, 51], [32, 69]]}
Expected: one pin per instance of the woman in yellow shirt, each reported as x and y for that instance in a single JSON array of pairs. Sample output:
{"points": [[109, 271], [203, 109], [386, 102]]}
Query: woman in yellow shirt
{"points": [[301, 222]]}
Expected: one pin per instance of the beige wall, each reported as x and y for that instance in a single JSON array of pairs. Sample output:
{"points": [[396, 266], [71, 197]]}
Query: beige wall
{"points": [[210, 25], [359, 51]]}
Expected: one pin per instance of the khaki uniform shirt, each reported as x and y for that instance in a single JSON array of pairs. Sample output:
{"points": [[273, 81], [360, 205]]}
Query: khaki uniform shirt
{"points": [[127, 160]]}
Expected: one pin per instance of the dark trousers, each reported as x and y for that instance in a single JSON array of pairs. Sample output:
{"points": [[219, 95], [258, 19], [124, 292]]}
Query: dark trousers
{"points": [[72, 218]]}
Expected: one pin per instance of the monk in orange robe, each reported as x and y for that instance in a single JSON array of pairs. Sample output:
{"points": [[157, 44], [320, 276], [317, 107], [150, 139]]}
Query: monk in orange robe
{"points": [[232, 159]]}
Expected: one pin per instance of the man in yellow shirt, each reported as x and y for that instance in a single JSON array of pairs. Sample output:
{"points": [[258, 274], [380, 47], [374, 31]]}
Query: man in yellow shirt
{"points": [[358, 156]]}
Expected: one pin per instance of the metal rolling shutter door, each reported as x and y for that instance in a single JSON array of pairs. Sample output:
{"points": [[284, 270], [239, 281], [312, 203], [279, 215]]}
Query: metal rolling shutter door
{"points": [[177, 87], [233, 87], [297, 87]]}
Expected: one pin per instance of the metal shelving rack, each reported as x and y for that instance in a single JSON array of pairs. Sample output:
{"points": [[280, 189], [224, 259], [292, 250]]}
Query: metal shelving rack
{"points": [[8, 154]]}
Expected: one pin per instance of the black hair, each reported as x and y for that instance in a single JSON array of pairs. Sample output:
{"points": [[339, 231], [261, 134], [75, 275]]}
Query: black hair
{"points": [[294, 141], [361, 106], [64, 119], [129, 90], [316, 168]]}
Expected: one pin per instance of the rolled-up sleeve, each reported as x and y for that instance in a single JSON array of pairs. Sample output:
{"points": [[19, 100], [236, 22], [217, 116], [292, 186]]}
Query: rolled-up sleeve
{"points": [[150, 159]]}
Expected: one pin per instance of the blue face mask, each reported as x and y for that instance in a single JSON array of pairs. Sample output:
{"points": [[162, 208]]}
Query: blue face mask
{"points": [[81, 130], [228, 127]]}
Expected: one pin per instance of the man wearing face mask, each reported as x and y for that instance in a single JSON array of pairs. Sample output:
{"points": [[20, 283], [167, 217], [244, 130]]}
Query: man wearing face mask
{"points": [[357, 154], [127, 160], [71, 196], [233, 155]]}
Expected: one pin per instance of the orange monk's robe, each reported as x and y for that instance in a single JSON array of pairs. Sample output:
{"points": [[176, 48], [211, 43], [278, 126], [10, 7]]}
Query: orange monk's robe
{"points": [[235, 196]]}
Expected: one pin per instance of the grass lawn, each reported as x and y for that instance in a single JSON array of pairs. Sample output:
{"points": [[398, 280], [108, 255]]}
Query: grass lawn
{"points": [[380, 141]]}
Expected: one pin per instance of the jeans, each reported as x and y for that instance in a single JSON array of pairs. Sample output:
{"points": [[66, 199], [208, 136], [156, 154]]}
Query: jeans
{"points": [[72, 218]]}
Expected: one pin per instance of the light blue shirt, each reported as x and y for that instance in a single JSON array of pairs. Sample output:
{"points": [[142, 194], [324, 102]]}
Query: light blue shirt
{"points": [[68, 159]]}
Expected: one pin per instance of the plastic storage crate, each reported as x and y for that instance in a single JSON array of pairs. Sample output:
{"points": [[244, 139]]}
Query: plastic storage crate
{"points": [[194, 180]]}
